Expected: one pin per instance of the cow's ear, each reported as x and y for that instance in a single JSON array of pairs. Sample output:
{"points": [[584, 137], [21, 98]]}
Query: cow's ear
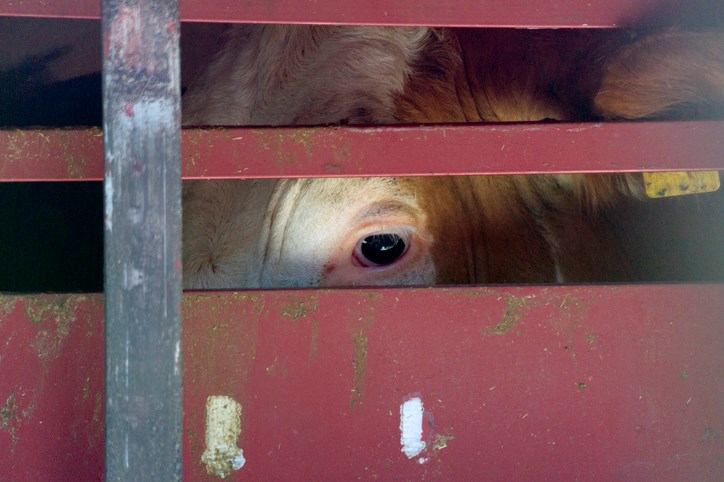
{"points": [[668, 75], [672, 75]]}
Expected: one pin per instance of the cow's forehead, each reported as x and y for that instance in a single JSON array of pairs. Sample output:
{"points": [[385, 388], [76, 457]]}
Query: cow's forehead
{"points": [[332, 208], [349, 193], [383, 185]]}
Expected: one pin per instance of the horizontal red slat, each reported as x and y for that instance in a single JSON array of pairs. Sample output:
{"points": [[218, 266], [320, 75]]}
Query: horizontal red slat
{"points": [[534, 383], [548, 13], [372, 151]]}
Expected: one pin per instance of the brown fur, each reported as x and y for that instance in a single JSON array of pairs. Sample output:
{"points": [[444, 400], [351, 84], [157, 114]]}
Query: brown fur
{"points": [[482, 231], [468, 229], [511, 75], [672, 75]]}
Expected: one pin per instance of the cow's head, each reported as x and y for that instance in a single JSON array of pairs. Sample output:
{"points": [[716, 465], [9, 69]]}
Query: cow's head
{"points": [[471, 229]]}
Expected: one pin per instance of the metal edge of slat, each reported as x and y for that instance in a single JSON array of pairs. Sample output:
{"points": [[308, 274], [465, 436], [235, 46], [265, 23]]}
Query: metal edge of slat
{"points": [[468, 13]]}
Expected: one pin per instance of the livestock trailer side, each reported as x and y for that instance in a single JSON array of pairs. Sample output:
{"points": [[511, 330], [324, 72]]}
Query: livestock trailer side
{"points": [[445, 383]]}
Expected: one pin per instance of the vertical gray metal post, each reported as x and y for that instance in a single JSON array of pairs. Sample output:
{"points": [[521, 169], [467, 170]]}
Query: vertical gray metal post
{"points": [[141, 128]]}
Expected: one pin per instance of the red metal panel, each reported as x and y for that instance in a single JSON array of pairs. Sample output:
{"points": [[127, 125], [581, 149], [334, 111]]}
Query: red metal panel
{"points": [[51, 387], [374, 151], [536, 383], [549, 13]]}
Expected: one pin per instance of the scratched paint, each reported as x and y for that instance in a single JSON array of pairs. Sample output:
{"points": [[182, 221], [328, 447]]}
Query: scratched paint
{"points": [[359, 328], [54, 318], [440, 442], [511, 316], [108, 202], [216, 303], [223, 426], [411, 412], [299, 308], [7, 305], [10, 419], [360, 364], [150, 113]]}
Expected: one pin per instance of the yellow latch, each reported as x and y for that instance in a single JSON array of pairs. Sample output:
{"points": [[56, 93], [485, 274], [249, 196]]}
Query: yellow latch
{"points": [[667, 184]]}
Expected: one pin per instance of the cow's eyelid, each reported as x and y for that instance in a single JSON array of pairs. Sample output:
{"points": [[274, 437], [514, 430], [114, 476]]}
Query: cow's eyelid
{"points": [[388, 210]]}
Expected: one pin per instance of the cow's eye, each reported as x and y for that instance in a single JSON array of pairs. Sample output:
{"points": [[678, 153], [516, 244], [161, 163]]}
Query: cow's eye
{"points": [[380, 249]]}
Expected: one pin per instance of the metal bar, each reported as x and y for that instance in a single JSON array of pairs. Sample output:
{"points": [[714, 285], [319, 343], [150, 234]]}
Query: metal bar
{"points": [[141, 104], [51, 155], [571, 382], [472, 13], [58, 155], [454, 149]]}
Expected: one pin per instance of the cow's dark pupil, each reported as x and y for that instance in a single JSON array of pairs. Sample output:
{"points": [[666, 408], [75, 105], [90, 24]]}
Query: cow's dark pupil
{"points": [[382, 249]]}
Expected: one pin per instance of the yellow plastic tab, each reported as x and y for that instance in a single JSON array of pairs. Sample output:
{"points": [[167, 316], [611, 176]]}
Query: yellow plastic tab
{"points": [[667, 184]]}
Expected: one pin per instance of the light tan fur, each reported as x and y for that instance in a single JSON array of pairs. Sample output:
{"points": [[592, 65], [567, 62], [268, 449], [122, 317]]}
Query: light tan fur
{"points": [[297, 75]]}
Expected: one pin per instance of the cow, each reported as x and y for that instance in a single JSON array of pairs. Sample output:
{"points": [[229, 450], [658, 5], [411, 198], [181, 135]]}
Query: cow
{"points": [[429, 230]]}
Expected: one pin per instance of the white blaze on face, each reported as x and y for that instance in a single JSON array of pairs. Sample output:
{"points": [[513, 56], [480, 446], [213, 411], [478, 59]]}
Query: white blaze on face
{"points": [[314, 229]]}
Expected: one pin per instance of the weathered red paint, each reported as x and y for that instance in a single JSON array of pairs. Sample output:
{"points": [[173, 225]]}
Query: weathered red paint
{"points": [[76, 154], [474, 13], [454, 149], [535, 383], [51, 154], [51, 387]]}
